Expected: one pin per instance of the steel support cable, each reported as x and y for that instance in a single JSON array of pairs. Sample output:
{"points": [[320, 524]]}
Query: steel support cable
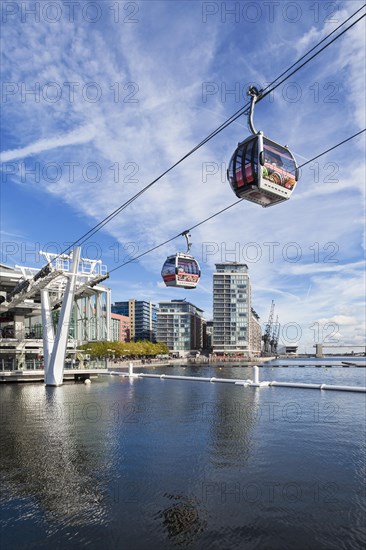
{"points": [[334, 147], [223, 126], [310, 58], [175, 237], [215, 132], [227, 207], [313, 48], [118, 210]]}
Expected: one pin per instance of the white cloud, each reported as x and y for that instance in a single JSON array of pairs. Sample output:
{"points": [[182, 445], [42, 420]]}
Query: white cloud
{"points": [[76, 137], [339, 320]]}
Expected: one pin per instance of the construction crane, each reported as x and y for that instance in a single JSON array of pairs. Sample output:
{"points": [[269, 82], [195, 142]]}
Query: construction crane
{"points": [[267, 334], [275, 337]]}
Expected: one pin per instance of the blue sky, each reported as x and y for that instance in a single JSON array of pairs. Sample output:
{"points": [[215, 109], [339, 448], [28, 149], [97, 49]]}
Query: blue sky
{"points": [[123, 89]]}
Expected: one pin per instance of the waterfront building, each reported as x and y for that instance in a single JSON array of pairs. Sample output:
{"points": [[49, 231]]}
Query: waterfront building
{"points": [[143, 318], [235, 325], [21, 327], [181, 326], [120, 328]]}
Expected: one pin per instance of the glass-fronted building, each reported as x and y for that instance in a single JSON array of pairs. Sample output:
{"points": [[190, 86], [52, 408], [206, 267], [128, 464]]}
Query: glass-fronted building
{"points": [[233, 321], [180, 326], [143, 318], [21, 327]]}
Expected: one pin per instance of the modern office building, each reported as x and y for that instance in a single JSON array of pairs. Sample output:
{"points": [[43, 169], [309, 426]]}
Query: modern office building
{"points": [[143, 317], [235, 325], [181, 326]]}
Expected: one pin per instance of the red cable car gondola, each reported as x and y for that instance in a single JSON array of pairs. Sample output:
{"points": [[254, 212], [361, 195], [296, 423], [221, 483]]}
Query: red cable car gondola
{"points": [[181, 270], [260, 169]]}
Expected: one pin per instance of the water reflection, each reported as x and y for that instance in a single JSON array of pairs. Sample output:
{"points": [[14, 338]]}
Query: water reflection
{"points": [[48, 455], [163, 463], [231, 415]]}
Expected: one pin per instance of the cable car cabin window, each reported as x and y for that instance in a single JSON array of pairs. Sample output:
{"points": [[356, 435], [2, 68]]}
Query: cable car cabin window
{"points": [[235, 170], [250, 156], [279, 166], [243, 168], [168, 267], [188, 266], [188, 270]]}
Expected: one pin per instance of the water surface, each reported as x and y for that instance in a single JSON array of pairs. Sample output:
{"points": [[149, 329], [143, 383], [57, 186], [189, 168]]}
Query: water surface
{"points": [[164, 464]]}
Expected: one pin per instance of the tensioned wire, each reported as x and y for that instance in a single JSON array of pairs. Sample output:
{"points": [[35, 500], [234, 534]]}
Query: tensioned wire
{"points": [[223, 126], [226, 208]]}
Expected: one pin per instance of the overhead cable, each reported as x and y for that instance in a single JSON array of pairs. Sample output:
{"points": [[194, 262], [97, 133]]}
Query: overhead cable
{"points": [[220, 128], [227, 207]]}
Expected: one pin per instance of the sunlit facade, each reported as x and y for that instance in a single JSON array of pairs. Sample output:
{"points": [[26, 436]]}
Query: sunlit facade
{"points": [[120, 328], [180, 326], [235, 326]]}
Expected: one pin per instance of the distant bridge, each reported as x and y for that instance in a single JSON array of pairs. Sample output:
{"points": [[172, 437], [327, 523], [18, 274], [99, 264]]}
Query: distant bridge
{"points": [[319, 348]]}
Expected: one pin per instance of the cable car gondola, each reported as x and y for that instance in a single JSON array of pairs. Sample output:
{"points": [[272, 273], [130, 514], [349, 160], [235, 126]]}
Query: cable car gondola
{"points": [[181, 270], [261, 170]]}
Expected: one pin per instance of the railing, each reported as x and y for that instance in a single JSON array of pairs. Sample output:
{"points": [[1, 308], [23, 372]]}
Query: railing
{"points": [[8, 364], [33, 364]]}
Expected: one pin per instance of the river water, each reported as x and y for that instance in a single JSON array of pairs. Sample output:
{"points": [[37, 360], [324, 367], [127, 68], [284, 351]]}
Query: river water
{"points": [[163, 464]]}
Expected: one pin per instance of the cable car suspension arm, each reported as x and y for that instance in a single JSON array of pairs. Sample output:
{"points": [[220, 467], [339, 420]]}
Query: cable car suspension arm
{"points": [[254, 94], [187, 234]]}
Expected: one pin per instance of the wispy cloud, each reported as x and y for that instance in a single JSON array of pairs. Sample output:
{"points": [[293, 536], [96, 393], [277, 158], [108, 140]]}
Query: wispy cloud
{"points": [[76, 137], [158, 67]]}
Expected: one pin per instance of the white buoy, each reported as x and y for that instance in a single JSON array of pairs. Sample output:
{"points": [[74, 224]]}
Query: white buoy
{"points": [[87, 381]]}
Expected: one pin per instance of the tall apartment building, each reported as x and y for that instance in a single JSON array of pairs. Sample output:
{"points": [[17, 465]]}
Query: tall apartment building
{"points": [[235, 325], [181, 326], [120, 328], [142, 316]]}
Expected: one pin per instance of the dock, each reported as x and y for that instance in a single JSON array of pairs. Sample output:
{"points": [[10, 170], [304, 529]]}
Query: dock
{"points": [[38, 375]]}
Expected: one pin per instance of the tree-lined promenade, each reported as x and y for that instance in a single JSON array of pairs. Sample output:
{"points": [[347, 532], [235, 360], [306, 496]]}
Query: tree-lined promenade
{"points": [[120, 350]]}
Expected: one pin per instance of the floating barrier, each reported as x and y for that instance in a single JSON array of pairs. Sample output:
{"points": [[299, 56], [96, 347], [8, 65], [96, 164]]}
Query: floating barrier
{"points": [[255, 383], [317, 386]]}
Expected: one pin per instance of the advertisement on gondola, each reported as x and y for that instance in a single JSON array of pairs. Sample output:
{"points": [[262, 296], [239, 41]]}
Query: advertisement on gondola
{"points": [[279, 167], [187, 278]]}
